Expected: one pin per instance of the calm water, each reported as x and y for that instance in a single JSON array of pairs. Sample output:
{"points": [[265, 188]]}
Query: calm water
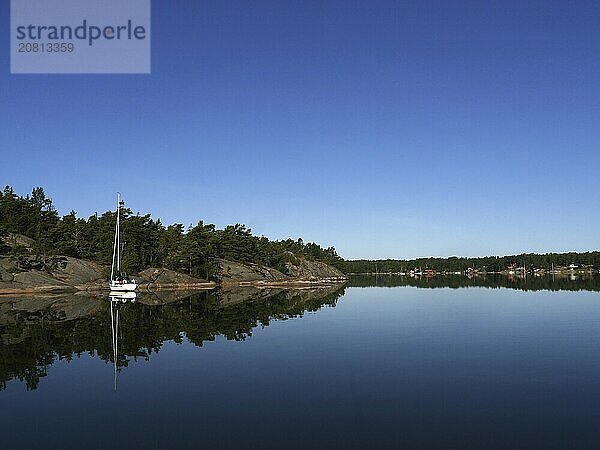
{"points": [[356, 367]]}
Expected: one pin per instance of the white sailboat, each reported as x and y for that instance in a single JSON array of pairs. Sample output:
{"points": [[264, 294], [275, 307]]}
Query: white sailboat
{"points": [[118, 280]]}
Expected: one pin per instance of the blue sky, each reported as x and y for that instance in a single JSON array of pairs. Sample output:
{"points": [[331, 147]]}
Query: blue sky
{"points": [[386, 129]]}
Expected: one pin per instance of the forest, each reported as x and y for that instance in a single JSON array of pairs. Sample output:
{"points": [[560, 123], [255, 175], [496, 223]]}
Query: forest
{"points": [[147, 242], [487, 263], [194, 250]]}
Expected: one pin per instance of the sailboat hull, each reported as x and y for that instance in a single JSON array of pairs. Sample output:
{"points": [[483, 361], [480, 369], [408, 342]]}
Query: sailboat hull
{"points": [[122, 287]]}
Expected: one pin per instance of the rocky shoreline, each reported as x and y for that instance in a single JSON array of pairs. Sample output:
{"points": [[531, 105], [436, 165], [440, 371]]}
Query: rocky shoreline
{"points": [[65, 274]]}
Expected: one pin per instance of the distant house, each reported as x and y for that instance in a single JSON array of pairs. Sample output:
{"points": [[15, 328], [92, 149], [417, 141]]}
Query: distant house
{"points": [[429, 273]]}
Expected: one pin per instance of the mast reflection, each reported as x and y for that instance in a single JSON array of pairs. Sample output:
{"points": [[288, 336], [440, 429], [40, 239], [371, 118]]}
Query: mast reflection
{"points": [[117, 301]]}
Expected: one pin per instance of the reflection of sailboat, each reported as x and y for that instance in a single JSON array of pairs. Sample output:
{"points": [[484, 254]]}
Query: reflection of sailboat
{"points": [[116, 299], [118, 280], [122, 297]]}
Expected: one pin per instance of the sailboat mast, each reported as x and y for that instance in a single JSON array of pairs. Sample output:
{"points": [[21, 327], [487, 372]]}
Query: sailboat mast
{"points": [[115, 244], [118, 233]]}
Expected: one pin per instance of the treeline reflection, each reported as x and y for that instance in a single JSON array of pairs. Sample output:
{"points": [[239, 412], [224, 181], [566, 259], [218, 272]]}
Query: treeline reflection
{"points": [[531, 283], [36, 332]]}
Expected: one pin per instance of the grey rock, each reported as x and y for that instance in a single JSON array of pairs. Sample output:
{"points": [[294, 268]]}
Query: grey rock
{"points": [[246, 272]]}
